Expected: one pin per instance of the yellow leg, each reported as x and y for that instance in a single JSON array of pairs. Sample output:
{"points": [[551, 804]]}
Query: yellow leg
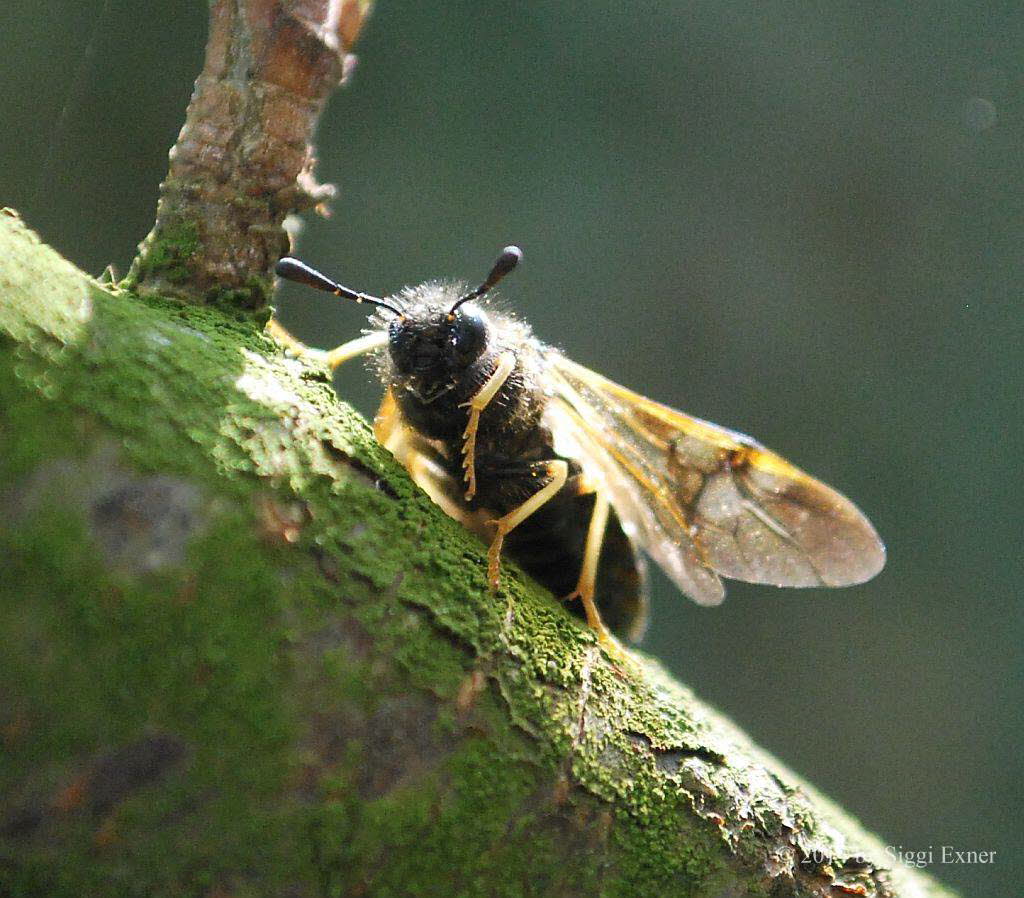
{"points": [[586, 585], [293, 344], [387, 423], [357, 347], [335, 357], [427, 476], [558, 471], [506, 364]]}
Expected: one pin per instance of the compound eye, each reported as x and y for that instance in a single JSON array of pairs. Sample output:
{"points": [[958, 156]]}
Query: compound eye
{"points": [[469, 334]]}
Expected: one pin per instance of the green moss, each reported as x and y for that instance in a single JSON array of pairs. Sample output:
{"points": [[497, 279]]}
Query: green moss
{"points": [[95, 660], [250, 303], [165, 256], [357, 709], [165, 260], [471, 830]]}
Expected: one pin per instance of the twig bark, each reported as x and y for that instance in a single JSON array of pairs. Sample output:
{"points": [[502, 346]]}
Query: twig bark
{"points": [[244, 160]]}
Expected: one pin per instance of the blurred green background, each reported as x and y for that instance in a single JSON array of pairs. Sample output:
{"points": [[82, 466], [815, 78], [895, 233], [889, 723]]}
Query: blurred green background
{"points": [[804, 221]]}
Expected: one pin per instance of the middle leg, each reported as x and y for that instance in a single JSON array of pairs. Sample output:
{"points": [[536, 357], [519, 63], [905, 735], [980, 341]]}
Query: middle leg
{"points": [[557, 470]]}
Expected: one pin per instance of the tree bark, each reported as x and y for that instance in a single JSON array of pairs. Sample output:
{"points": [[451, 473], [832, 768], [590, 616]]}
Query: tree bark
{"points": [[244, 655]]}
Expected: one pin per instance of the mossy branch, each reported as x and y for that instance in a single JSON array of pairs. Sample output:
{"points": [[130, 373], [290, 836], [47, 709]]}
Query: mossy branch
{"points": [[244, 655]]}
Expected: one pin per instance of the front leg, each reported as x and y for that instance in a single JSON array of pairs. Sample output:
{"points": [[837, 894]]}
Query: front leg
{"points": [[333, 358], [558, 472], [480, 401]]}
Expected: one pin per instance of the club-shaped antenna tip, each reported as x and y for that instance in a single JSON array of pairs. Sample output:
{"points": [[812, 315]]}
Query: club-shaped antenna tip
{"points": [[287, 266], [513, 253]]}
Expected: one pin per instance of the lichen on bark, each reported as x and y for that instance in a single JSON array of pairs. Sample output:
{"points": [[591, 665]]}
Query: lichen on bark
{"points": [[245, 655]]}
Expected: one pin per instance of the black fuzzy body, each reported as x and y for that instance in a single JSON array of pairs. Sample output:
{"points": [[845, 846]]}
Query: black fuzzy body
{"points": [[431, 382]]}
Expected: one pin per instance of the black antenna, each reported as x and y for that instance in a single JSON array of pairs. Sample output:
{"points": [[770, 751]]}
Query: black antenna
{"points": [[509, 259], [292, 269]]}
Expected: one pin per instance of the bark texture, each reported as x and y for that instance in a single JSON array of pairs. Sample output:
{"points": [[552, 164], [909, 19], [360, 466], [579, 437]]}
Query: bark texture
{"points": [[244, 655], [243, 160]]}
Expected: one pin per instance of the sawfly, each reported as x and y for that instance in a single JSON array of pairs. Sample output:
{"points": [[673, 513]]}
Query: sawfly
{"points": [[574, 476]]}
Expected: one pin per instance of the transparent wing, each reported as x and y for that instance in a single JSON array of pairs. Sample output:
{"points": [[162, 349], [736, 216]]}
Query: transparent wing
{"points": [[702, 500]]}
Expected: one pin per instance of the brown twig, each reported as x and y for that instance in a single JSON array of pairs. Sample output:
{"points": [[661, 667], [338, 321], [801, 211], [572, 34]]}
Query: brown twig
{"points": [[243, 160]]}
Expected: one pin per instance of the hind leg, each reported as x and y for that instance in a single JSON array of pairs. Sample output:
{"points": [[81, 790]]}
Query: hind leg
{"points": [[586, 585]]}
